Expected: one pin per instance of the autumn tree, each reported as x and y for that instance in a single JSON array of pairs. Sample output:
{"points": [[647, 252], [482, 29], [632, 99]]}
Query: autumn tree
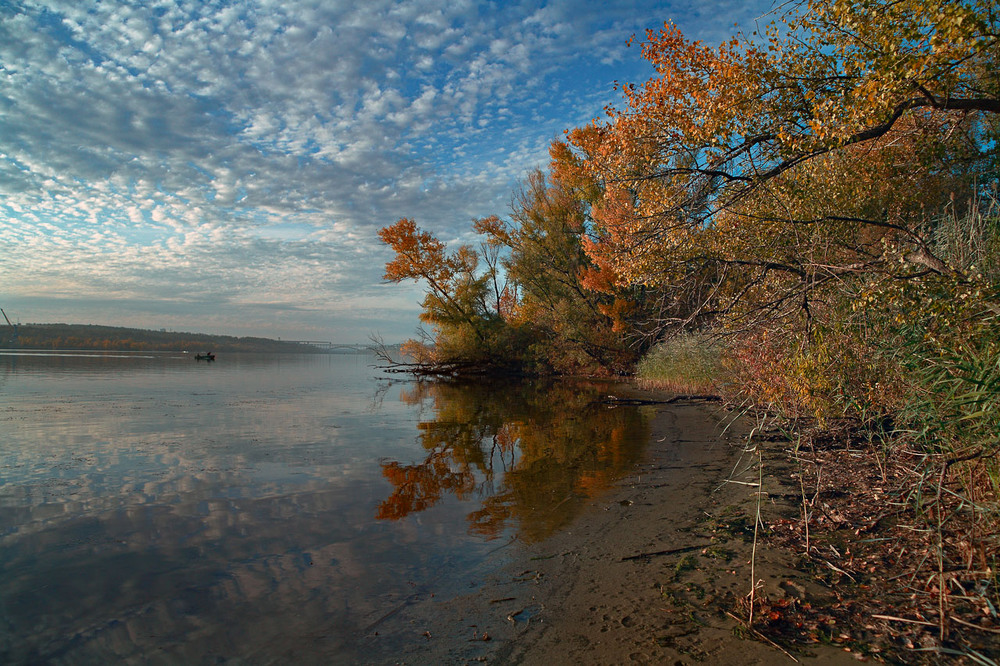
{"points": [[462, 304], [720, 136], [574, 325], [767, 185], [455, 295], [540, 304]]}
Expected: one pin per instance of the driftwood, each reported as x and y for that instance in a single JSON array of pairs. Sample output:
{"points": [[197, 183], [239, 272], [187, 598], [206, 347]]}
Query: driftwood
{"points": [[438, 370], [614, 400], [671, 551]]}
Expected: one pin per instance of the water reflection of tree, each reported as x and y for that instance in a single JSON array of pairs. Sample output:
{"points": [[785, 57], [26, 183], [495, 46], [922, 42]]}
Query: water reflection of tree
{"points": [[532, 454]]}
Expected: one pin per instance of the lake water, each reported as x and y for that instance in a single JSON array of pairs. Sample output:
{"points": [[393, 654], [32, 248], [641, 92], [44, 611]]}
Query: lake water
{"points": [[264, 509]]}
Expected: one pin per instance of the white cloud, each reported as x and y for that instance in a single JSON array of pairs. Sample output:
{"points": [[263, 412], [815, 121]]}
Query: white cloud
{"points": [[226, 154]]}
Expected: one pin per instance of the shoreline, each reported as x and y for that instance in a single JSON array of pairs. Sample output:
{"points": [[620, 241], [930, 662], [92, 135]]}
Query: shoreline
{"points": [[646, 575]]}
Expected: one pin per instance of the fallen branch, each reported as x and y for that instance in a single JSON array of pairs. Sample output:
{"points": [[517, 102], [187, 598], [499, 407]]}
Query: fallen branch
{"points": [[614, 400], [671, 551]]}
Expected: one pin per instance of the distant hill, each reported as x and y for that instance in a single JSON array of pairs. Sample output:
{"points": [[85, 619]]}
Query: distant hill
{"points": [[87, 336]]}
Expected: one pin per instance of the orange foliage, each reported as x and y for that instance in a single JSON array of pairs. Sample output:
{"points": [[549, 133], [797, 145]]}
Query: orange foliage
{"points": [[418, 254]]}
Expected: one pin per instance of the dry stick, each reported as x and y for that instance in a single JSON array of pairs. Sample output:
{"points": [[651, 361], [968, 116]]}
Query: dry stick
{"points": [[753, 556], [743, 483], [840, 571], [976, 626], [744, 450], [805, 502], [814, 502], [893, 618], [764, 638], [671, 551], [756, 526], [940, 554]]}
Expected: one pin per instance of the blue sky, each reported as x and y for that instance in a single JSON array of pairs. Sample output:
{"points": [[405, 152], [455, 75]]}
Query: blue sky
{"points": [[223, 167]]}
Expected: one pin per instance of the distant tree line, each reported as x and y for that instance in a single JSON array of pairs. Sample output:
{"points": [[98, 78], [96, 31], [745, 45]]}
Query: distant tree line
{"points": [[113, 338]]}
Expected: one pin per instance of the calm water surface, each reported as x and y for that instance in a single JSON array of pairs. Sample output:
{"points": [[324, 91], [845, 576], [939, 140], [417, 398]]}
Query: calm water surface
{"points": [[258, 509]]}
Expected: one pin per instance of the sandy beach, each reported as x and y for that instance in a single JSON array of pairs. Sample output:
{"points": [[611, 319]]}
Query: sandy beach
{"points": [[646, 575]]}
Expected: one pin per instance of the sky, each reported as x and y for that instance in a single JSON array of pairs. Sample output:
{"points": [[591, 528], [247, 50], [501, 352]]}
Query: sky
{"points": [[223, 167]]}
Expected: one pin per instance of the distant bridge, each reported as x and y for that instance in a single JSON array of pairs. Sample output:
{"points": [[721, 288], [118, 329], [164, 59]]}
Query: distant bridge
{"points": [[326, 344]]}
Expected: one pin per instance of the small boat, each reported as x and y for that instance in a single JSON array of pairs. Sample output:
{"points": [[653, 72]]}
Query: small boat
{"points": [[207, 356]]}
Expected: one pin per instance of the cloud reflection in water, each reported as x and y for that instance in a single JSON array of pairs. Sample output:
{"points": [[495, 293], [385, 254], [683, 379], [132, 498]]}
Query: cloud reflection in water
{"points": [[162, 509]]}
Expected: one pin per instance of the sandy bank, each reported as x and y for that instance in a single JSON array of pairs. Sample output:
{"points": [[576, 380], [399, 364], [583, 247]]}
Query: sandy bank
{"points": [[644, 576]]}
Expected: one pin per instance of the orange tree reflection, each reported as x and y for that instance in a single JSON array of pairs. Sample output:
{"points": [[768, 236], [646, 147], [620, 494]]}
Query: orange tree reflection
{"points": [[530, 454]]}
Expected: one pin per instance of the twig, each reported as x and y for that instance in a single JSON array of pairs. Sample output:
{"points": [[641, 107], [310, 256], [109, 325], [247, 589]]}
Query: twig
{"points": [[893, 618], [671, 551], [840, 571], [614, 400], [938, 511], [806, 515], [975, 626], [756, 529], [764, 638]]}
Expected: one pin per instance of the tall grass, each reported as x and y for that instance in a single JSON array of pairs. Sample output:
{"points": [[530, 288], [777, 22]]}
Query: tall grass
{"points": [[969, 239], [950, 344], [688, 363], [948, 425]]}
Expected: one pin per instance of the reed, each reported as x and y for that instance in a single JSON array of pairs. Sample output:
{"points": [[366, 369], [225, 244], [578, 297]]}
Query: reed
{"points": [[688, 363]]}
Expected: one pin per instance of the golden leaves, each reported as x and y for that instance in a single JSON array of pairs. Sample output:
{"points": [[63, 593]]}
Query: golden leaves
{"points": [[720, 130], [418, 253]]}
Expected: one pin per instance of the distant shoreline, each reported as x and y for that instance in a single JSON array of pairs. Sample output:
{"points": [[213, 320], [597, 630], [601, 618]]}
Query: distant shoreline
{"points": [[92, 337], [122, 353]]}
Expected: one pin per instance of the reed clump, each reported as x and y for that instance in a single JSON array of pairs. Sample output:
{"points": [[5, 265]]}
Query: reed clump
{"points": [[689, 363]]}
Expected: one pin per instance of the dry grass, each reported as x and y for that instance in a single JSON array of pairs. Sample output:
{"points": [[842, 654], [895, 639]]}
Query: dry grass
{"points": [[689, 363]]}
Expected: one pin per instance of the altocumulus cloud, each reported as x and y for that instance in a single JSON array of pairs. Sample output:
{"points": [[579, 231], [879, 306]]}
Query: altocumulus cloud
{"points": [[223, 166]]}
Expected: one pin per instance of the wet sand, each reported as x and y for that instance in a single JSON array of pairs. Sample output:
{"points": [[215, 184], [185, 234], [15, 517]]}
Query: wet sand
{"points": [[646, 575]]}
